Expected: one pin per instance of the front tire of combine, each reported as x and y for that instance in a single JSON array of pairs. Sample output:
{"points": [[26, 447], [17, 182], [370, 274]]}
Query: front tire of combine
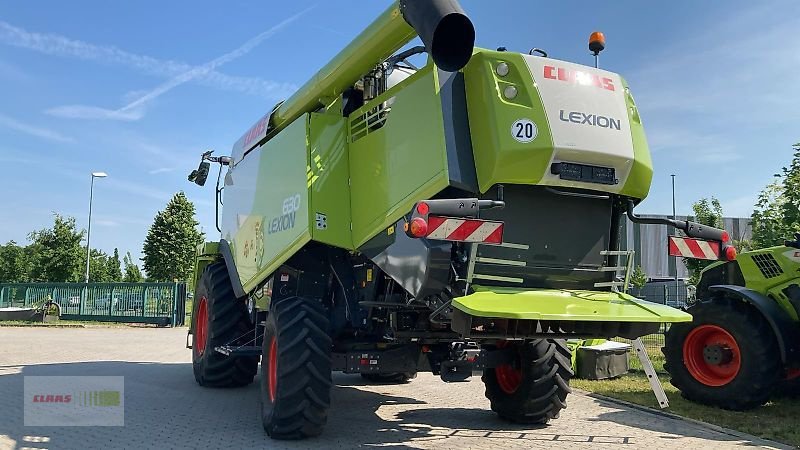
{"points": [[726, 357], [389, 378], [295, 369], [219, 319], [534, 388]]}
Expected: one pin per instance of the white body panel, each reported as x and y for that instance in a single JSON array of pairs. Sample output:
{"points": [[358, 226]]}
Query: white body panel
{"points": [[587, 114]]}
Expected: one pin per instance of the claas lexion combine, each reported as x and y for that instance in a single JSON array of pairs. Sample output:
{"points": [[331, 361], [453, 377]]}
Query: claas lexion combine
{"points": [[462, 216]]}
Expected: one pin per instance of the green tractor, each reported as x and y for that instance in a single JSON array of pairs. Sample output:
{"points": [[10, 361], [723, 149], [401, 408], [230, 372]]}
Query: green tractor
{"points": [[744, 339], [459, 217]]}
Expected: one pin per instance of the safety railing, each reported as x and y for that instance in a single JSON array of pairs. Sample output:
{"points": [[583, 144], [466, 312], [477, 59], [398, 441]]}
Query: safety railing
{"points": [[157, 303]]}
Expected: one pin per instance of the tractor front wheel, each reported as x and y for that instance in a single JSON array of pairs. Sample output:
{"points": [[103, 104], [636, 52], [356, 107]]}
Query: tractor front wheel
{"points": [[726, 357], [295, 369], [534, 387]]}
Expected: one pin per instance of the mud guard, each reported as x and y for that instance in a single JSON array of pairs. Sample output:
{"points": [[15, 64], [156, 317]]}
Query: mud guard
{"points": [[227, 254], [787, 331]]}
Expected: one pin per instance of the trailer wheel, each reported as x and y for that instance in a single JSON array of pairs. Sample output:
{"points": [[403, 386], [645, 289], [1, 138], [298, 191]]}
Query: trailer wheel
{"points": [[726, 357], [389, 378], [295, 369], [218, 319], [534, 388]]}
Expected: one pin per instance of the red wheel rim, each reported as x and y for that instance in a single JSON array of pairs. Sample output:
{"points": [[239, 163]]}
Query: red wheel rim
{"points": [[508, 377], [201, 326], [708, 373], [272, 374]]}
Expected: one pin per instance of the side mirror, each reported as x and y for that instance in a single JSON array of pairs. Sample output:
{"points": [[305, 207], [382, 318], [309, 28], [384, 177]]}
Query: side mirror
{"points": [[199, 176]]}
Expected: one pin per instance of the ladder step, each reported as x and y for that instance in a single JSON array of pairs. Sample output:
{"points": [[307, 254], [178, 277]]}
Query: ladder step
{"points": [[616, 252], [612, 269], [244, 350]]}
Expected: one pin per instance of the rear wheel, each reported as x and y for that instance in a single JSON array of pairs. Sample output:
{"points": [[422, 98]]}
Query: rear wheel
{"points": [[389, 378], [219, 319], [726, 357], [534, 388], [295, 369]]}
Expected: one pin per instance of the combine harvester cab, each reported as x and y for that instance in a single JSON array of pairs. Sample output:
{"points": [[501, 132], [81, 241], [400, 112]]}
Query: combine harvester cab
{"points": [[456, 217]]}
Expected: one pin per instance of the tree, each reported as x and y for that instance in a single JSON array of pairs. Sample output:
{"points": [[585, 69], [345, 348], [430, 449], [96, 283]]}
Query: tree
{"points": [[98, 267], [638, 277], [113, 268], [169, 247], [132, 272], [57, 252], [707, 212], [777, 213], [14, 263]]}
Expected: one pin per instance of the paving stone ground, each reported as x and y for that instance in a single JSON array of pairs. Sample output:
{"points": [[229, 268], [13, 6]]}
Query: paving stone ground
{"points": [[164, 408]]}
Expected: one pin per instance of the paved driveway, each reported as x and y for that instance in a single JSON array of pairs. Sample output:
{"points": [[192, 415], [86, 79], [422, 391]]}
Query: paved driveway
{"points": [[164, 408]]}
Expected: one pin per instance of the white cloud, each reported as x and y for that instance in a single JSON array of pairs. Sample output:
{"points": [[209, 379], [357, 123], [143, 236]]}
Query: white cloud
{"points": [[94, 112], [135, 109], [161, 170], [61, 46], [727, 80], [105, 223], [33, 130]]}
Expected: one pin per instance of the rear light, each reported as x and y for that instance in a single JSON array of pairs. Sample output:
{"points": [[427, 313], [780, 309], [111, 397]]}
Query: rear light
{"points": [[730, 253], [725, 236], [423, 208], [417, 228]]}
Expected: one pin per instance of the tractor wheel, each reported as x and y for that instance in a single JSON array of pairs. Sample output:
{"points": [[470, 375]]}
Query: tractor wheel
{"points": [[389, 378], [219, 319], [726, 357], [295, 369], [534, 388]]}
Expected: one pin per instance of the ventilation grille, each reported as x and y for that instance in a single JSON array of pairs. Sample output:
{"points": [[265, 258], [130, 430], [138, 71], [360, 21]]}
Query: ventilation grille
{"points": [[368, 122], [767, 265]]}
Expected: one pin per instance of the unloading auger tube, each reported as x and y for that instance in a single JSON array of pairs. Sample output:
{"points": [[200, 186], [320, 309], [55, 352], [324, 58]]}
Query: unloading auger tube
{"points": [[445, 30]]}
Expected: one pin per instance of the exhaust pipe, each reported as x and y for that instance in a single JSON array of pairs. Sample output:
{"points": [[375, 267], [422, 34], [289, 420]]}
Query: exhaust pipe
{"points": [[444, 28]]}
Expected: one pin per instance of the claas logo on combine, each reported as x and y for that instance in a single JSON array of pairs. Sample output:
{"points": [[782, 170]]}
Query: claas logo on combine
{"points": [[578, 77]]}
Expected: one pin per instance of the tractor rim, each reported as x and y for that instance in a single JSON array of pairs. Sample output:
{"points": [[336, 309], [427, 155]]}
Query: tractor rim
{"points": [[201, 326], [272, 375], [508, 377], [707, 339]]}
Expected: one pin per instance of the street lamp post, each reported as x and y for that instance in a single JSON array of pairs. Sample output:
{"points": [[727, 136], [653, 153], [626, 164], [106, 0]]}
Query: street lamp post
{"points": [[89, 228], [675, 217]]}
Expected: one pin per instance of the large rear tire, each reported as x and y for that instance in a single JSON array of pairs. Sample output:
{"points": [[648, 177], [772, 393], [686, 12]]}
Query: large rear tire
{"points": [[727, 356], [534, 388], [219, 319], [295, 369]]}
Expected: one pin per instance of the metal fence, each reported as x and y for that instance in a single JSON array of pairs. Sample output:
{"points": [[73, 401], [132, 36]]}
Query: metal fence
{"points": [[157, 303]]}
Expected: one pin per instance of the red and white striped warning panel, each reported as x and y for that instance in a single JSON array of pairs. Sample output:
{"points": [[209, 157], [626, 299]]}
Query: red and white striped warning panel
{"points": [[693, 248], [465, 230]]}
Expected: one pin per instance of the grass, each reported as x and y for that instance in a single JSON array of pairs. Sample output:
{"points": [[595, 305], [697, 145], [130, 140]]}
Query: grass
{"points": [[777, 420]]}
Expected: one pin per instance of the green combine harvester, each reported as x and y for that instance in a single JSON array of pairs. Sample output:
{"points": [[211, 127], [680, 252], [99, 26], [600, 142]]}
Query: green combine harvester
{"points": [[462, 216]]}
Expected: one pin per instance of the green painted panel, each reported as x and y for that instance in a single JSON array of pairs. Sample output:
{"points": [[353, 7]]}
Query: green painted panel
{"points": [[327, 177], [401, 162], [544, 304], [498, 157], [266, 204], [641, 175]]}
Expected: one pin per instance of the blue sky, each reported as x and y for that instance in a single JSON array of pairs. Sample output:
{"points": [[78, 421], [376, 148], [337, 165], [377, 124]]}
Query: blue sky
{"points": [[140, 89]]}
